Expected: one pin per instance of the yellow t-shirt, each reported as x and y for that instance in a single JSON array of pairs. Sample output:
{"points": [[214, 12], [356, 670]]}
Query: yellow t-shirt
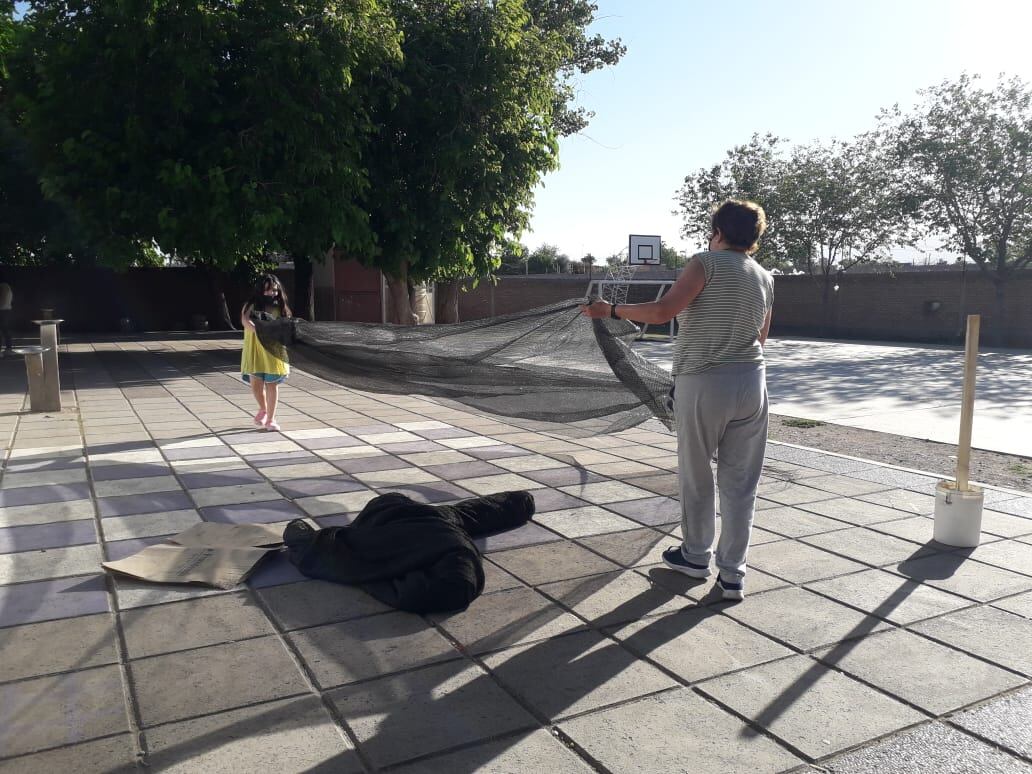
{"points": [[256, 359]]}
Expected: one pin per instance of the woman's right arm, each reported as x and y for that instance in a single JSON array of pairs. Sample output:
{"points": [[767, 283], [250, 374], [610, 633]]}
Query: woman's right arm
{"points": [[245, 317]]}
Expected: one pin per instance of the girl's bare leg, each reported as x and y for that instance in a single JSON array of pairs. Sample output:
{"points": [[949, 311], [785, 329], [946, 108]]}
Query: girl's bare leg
{"points": [[258, 390], [271, 399]]}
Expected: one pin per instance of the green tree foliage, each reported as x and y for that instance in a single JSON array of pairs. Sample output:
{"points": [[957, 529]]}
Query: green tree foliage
{"points": [[547, 259], [967, 153], [671, 258], [215, 129]]}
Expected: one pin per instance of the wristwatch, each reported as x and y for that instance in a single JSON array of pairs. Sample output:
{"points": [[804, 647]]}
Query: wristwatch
{"points": [[612, 311]]}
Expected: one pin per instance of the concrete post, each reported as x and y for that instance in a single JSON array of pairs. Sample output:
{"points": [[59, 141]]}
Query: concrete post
{"points": [[34, 372], [51, 374]]}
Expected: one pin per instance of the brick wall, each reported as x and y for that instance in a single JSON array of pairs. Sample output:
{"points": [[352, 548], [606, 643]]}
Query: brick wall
{"points": [[866, 306]]}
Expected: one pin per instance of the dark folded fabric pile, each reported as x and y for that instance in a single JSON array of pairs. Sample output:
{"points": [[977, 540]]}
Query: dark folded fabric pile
{"points": [[409, 555]]}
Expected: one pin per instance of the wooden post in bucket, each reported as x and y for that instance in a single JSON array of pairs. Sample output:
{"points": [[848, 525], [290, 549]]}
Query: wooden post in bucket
{"points": [[967, 405], [958, 505]]}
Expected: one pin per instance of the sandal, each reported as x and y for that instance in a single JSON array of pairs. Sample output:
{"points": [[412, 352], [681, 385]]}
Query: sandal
{"points": [[272, 426], [259, 419]]}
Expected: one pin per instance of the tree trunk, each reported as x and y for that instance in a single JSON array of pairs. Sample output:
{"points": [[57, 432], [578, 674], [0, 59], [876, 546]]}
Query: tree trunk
{"points": [[1000, 334], [446, 302], [401, 304], [215, 282], [303, 303], [826, 307]]}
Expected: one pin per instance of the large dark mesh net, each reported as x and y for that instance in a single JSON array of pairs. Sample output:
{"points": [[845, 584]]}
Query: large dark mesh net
{"points": [[549, 364]]}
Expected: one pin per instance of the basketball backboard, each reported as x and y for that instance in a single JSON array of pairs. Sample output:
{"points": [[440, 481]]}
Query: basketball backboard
{"points": [[644, 250]]}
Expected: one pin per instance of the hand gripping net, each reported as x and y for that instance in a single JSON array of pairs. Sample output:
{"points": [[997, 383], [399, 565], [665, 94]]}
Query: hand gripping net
{"points": [[549, 364]]}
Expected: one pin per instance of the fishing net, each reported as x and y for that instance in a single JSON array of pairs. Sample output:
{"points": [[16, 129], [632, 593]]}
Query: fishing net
{"points": [[550, 364]]}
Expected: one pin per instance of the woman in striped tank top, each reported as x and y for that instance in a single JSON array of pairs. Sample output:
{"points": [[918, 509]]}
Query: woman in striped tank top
{"points": [[722, 302]]}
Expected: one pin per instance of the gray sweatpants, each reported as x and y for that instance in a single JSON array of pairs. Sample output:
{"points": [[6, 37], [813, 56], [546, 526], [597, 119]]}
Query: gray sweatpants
{"points": [[722, 410]]}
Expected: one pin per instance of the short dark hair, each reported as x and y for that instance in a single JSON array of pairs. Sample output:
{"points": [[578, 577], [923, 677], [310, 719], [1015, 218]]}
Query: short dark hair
{"points": [[741, 222]]}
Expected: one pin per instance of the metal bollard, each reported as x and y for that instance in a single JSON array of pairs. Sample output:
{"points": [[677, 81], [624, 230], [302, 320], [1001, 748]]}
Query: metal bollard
{"points": [[51, 374], [35, 372]]}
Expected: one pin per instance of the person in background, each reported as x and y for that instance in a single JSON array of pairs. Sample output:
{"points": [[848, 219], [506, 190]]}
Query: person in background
{"points": [[6, 301], [722, 302], [258, 367]]}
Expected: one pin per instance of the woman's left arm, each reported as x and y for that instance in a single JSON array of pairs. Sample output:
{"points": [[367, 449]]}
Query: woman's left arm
{"points": [[688, 286]]}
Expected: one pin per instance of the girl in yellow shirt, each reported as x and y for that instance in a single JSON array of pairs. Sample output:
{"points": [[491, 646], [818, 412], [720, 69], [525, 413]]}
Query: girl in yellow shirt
{"points": [[257, 366]]}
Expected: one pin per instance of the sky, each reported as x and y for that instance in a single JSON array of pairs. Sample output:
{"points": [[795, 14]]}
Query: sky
{"points": [[700, 77]]}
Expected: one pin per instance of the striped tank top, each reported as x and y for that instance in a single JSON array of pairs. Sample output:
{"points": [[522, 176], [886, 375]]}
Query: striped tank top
{"points": [[722, 324]]}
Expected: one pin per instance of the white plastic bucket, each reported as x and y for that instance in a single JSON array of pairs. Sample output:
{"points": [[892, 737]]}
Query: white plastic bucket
{"points": [[958, 515]]}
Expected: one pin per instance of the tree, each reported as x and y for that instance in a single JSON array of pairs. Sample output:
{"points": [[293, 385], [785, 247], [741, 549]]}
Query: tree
{"points": [[753, 171], [216, 130], [589, 263], [671, 258], [547, 259], [616, 260], [967, 152], [467, 126]]}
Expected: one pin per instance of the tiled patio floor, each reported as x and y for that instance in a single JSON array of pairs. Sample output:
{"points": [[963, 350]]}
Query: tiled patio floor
{"points": [[862, 645]]}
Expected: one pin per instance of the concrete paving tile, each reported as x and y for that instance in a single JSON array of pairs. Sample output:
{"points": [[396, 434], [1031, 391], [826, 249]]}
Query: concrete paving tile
{"points": [[546, 500], [43, 536], [130, 486], [253, 513], [129, 470], [316, 602], [370, 463], [865, 545], [576, 673], [529, 462], [1004, 525], [112, 755], [198, 453], [631, 548], [274, 570], [916, 529], [373, 646], [565, 476], [120, 549], [814, 709], [148, 524], [1003, 720], [49, 564], [44, 465], [497, 579], [132, 593], [650, 511], [1017, 506], [192, 623], [844, 485], [37, 649], [466, 442], [589, 520], [794, 522], [143, 503], [209, 465], [399, 717], [52, 599], [527, 752], [798, 562], [889, 596], [271, 446], [192, 443], [508, 482], [457, 470], [427, 459], [613, 598], [803, 619], [529, 534], [412, 447], [992, 634], [666, 484], [684, 732], [552, 562], [854, 511], [34, 714], [931, 747], [232, 495], [304, 470], [602, 492], [180, 685], [789, 493], [217, 478], [257, 738], [1009, 554], [385, 479], [44, 478], [335, 483], [507, 618], [914, 503], [35, 495], [494, 452], [920, 672], [434, 492], [1020, 604], [974, 580], [262, 461], [343, 502]]}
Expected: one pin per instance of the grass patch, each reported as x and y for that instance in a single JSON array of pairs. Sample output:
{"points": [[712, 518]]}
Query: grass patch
{"points": [[793, 422]]}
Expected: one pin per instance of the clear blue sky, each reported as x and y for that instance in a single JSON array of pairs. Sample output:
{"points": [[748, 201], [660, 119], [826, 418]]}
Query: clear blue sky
{"points": [[699, 78]]}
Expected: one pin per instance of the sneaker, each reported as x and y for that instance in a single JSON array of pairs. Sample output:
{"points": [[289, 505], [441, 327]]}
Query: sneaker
{"points": [[259, 419], [674, 559], [731, 589], [272, 426]]}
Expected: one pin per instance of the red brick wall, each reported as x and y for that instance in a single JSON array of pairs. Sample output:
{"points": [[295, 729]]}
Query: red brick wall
{"points": [[871, 306]]}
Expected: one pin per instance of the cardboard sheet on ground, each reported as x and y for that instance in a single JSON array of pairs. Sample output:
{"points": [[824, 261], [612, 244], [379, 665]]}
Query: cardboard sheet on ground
{"points": [[219, 555], [222, 568]]}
